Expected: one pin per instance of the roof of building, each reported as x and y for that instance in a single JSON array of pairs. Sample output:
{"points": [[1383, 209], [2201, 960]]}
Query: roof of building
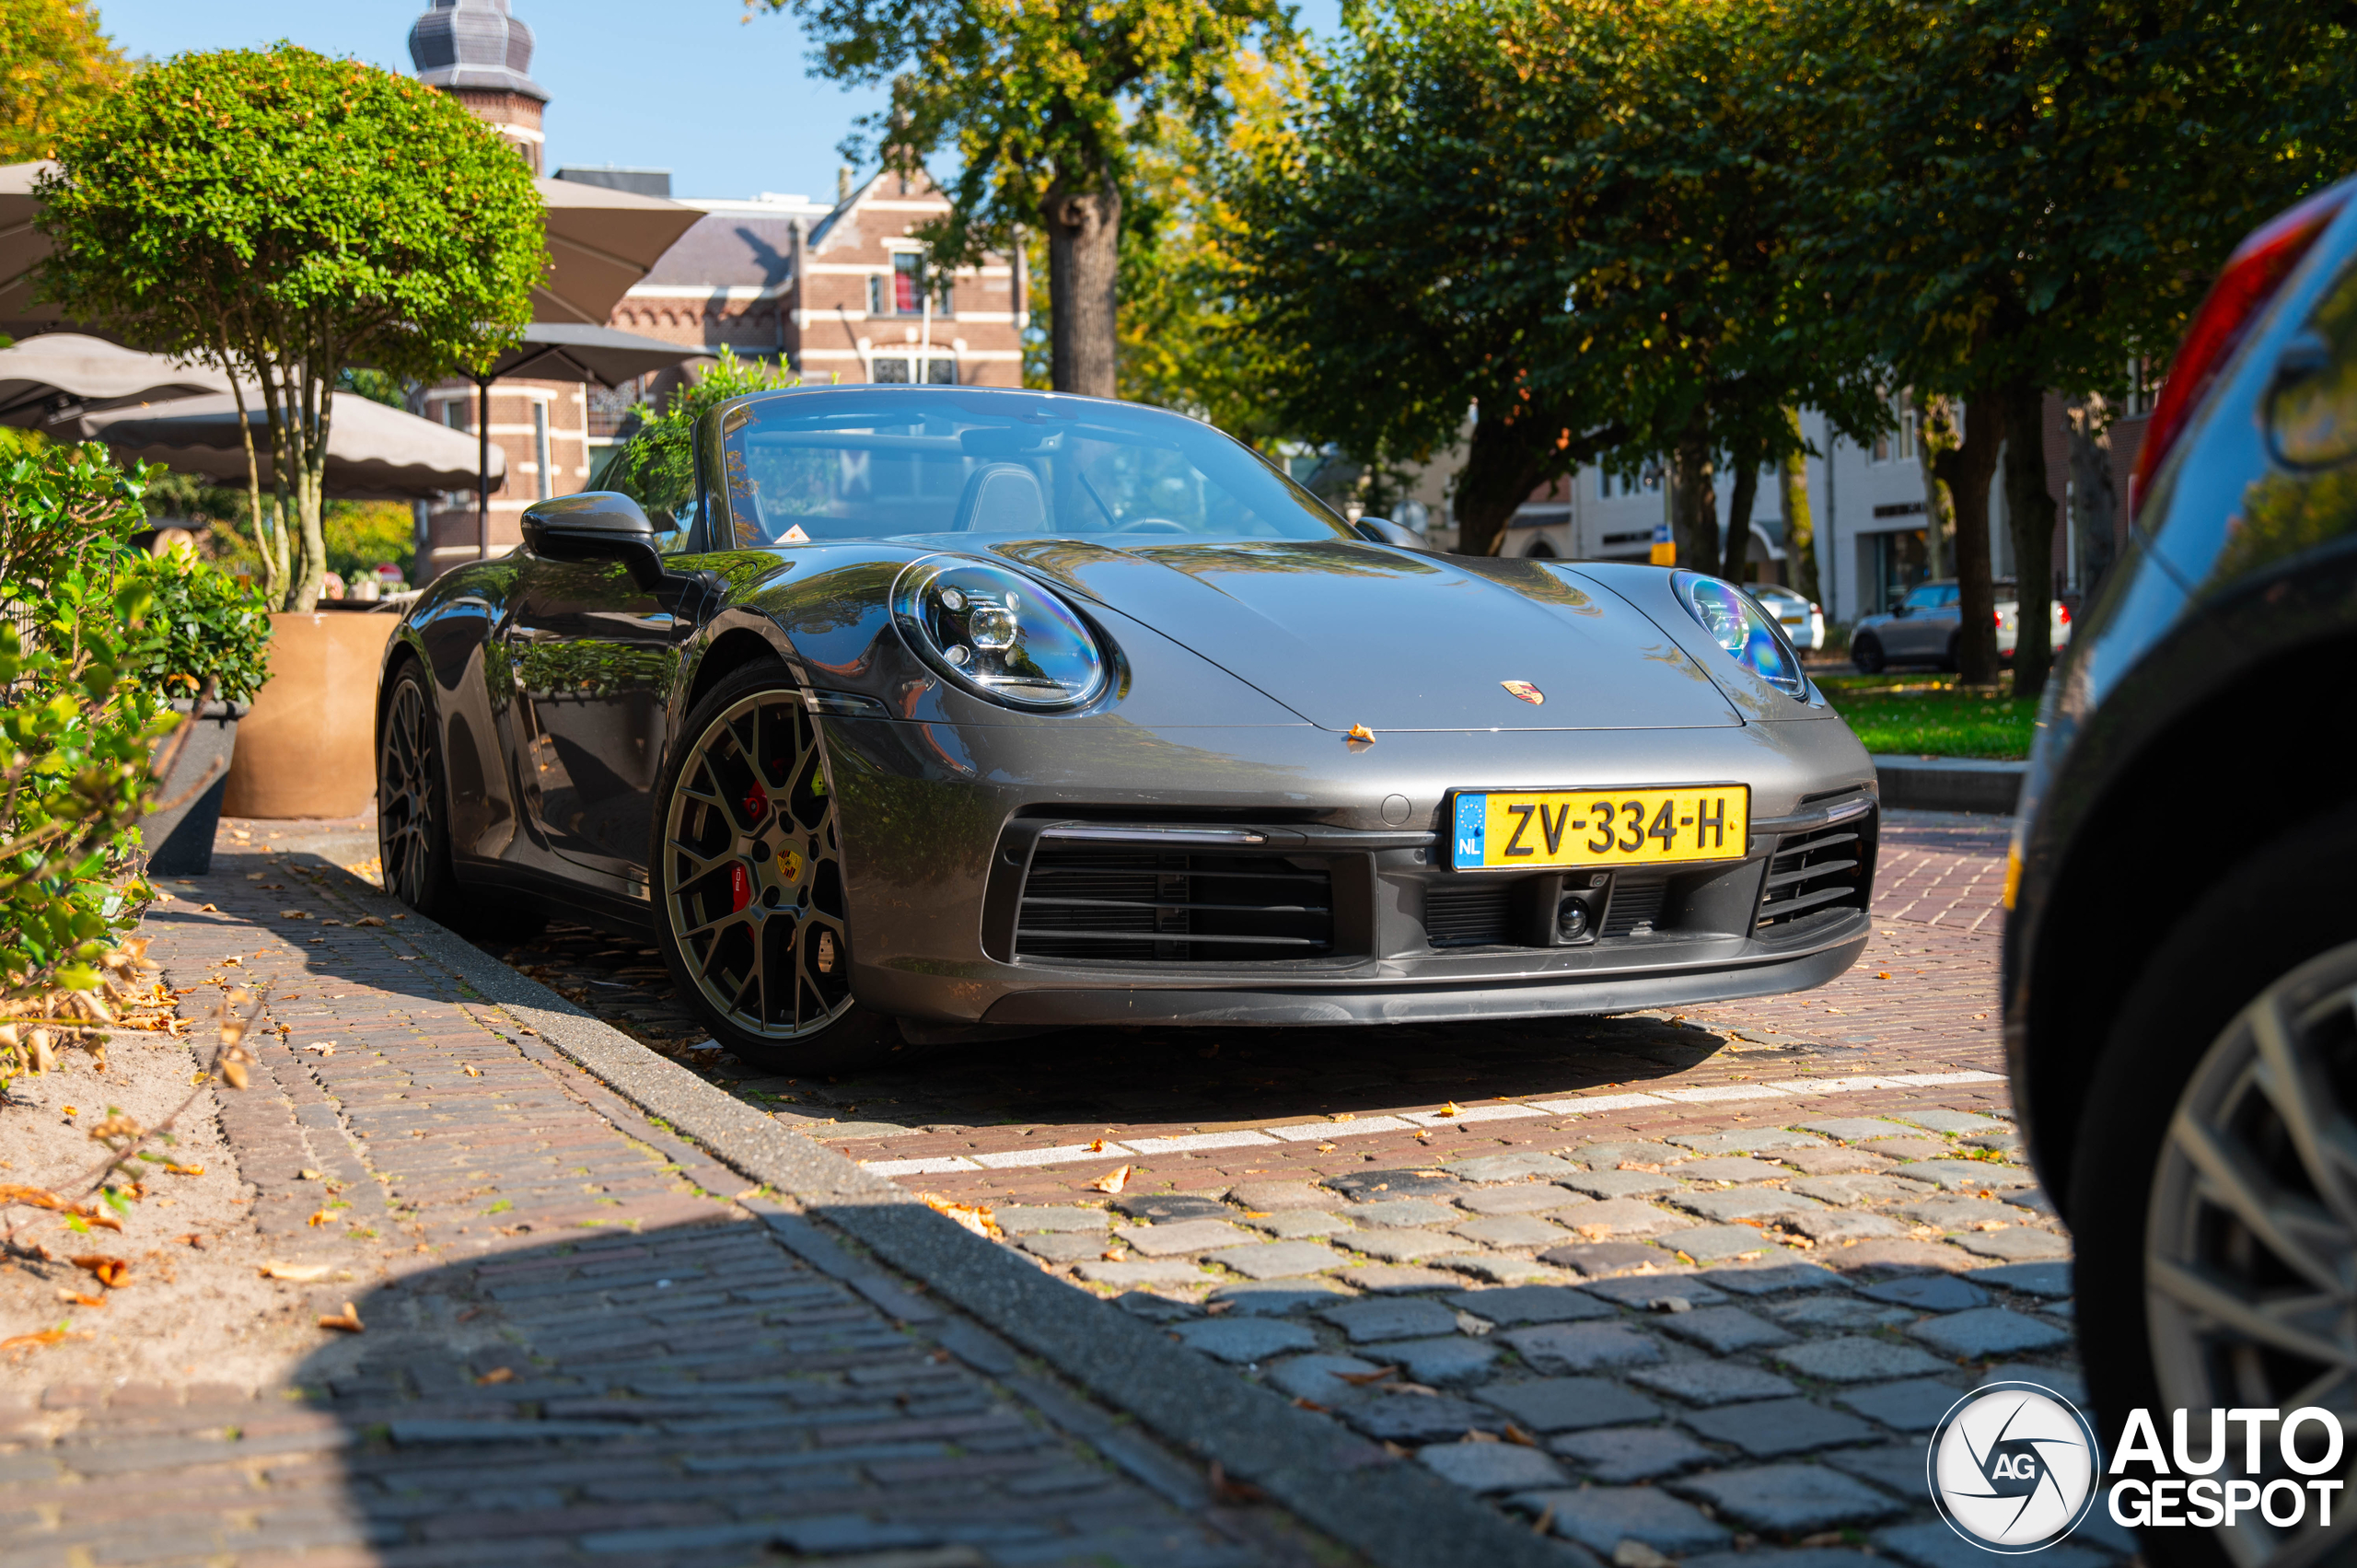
{"points": [[473, 43], [728, 250]]}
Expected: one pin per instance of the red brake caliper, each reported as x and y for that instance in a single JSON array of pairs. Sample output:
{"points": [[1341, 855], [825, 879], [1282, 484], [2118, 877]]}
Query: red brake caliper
{"points": [[740, 887], [756, 801]]}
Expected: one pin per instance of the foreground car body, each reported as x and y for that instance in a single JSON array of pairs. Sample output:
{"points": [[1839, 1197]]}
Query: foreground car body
{"points": [[1006, 709], [2182, 1028]]}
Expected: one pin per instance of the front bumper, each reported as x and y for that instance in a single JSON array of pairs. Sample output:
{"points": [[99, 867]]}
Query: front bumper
{"points": [[1050, 904]]}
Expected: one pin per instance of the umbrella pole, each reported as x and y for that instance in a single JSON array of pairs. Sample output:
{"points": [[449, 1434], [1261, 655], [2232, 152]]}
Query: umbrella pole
{"points": [[482, 468]]}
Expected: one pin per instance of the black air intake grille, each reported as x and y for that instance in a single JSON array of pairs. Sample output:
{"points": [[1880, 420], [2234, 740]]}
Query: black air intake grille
{"points": [[1813, 871], [1635, 904], [1116, 902], [1466, 917]]}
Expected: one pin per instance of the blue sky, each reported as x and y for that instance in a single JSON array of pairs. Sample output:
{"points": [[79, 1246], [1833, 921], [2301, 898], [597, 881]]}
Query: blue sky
{"points": [[727, 105]]}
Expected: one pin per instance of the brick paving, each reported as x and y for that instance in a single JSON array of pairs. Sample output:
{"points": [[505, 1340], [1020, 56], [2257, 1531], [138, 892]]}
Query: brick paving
{"points": [[584, 1340]]}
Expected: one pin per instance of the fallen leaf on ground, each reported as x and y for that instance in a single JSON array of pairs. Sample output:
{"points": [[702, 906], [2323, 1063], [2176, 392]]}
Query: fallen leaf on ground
{"points": [[1362, 1379], [111, 1273], [367, 920], [1545, 1522], [1478, 1435], [79, 1299], [974, 1217], [1634, 1554], [321, 1218], [309, 1174], [208, 909], [330, 923], [1519, 1437], [1227, 1491], [298, 1274], [1884, 975], [35, 1341], [185, 1170], [1301, 1404], [294, 915], [473, 1072], [496, 1374], [1327, 1148], [324, 1047], [1448, 1109], [348, 1320], [1097, 1146], [192, 1239], [1112, 1180], [37, 1197]]}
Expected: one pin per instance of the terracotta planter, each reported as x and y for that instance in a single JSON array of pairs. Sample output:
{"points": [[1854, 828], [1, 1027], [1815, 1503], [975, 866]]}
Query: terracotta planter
{"points": [[309, 748]]}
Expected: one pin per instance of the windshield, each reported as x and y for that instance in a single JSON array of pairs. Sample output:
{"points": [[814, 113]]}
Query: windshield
{"points": [[1931, 596], [873, 463]]}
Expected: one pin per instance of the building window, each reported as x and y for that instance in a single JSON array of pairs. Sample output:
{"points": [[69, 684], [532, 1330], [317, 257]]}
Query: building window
{"points": [[2143, 389], [899, 370], [908, 284]]}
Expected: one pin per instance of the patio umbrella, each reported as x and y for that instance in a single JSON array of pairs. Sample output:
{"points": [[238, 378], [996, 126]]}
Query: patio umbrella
{"points": [[600, 242], [375, 453], [563, 351], [48, 382]]}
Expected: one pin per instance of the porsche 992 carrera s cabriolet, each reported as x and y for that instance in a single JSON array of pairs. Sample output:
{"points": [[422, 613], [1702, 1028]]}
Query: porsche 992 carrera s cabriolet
{"points": [[938, 711]]}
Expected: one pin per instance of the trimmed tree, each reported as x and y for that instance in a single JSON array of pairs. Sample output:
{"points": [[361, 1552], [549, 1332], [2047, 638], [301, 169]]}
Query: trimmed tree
{"points": [[2026, 196], [55, 66], [1046, 104], [282, 216]]}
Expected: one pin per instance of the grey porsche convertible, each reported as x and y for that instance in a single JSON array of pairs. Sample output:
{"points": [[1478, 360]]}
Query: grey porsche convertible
{"points": [[939, 713]]}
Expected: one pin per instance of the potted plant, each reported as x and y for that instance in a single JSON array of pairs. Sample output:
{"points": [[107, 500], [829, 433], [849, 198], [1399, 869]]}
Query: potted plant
{"points": [[206, 653]]}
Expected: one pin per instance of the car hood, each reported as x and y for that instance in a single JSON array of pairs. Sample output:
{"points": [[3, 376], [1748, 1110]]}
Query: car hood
{"points": [[1346, 633]]}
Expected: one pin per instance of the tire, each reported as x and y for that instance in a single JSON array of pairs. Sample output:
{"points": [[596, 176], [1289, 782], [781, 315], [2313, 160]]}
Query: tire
{"points": [[2265, 971], [1866, 654], [413, 824], [750, 912]]}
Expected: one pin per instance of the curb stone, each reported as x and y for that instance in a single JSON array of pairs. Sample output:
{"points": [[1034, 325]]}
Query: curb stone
{"points": [[1948, 784], [1397, 1514]]}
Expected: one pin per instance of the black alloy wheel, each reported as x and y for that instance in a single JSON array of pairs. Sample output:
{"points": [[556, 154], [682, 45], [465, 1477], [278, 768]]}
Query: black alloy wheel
{"points": [[749, 882], [2213, 1189], [413, 825], [1866, 654]]}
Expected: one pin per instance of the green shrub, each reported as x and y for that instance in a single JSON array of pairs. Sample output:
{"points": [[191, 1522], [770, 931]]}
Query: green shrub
{"points": [[656, 463], [205, 626], [76, 728]]}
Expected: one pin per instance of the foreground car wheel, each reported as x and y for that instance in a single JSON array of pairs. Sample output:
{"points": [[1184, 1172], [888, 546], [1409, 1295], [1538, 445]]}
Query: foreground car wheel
{"points": [[413, 824], [748, 885], [2214, 1191], [1866, 654]]}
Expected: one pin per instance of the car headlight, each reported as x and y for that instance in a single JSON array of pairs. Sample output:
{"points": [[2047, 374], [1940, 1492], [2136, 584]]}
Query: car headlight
{"points": [[997, 633], [1749, 634]]}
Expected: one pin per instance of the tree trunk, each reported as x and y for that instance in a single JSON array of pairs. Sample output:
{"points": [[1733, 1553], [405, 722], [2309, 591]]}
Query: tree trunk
{"points": [[1935, 433], [1505, 461], [1746, 459], [2095, 504], [1967, 470], [1694, 505], [2029, 508], [1800, 526], [1084, 264]]}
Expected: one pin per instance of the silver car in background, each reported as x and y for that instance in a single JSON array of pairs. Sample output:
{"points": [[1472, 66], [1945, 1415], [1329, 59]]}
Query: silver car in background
{"points": [[1928, 624], [1802, 621]]}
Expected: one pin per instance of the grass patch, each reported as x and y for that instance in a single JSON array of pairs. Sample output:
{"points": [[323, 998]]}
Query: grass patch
{"points": [[1932, 715]]}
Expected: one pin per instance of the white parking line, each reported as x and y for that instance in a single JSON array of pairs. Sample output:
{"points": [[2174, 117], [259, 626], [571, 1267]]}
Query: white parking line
{"points": [[1064, 1154], [1472, 1113], [1198, 1141], [919, 1168], [1314, 1131], [1724, 1091]]}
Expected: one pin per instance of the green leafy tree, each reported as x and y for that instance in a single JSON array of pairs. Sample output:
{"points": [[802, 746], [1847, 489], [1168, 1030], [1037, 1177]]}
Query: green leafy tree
{"points": [[282, 216], [1575, 216], [1046, 104], [2026, 195], [656, 463], [55, 66]]}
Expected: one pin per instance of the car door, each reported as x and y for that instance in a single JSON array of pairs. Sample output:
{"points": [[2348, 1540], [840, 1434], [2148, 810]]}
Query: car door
{"points": [[593, 657]]}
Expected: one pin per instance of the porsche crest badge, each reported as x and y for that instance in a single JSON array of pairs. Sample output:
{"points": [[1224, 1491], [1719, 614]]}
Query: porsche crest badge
{"points": [[1526, 691]]}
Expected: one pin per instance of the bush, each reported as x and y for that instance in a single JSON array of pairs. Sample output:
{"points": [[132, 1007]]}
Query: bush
{"points": [[656, 464], [74, 733], [206, 625]]}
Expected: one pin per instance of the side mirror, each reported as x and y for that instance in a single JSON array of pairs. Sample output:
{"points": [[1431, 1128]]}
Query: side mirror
{"points": [[1900, 610], [1383, 530], [595, 525]]}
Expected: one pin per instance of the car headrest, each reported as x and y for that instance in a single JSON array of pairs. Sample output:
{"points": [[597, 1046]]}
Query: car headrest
{"points": [[1001, 498]]}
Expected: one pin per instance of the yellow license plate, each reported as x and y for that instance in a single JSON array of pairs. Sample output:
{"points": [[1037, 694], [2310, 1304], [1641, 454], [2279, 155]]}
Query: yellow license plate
{"points": [[1533, 829]]}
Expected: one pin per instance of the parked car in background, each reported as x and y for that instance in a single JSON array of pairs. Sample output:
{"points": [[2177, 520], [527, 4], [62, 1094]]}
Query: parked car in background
{"points": [[1928, 625], [1802, 623], [2180, 957]]}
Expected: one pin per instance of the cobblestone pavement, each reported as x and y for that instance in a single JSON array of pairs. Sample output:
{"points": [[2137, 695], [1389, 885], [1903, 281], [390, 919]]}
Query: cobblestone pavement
{"points": [[1698, 1281], [582, 1339]]}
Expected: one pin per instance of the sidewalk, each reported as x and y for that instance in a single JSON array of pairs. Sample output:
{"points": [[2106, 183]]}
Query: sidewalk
{"points": [[586, 1340]]}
